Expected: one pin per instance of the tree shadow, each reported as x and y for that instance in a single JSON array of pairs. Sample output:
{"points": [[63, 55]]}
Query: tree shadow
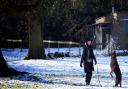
{"points": [[41, 79], [37, 78]]}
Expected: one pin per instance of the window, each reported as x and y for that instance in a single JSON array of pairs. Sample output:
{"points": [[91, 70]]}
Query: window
{"points": [[124, 24]]}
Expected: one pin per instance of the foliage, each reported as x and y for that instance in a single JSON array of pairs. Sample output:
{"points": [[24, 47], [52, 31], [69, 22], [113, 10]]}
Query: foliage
{"points": [[63, 19]]}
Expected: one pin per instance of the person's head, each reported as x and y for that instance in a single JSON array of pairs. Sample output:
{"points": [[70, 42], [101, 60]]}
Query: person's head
{"points": [[88, 41]]}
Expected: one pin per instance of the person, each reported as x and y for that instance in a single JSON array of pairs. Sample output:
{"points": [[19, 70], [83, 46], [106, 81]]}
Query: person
{"points": [[87, 60]]}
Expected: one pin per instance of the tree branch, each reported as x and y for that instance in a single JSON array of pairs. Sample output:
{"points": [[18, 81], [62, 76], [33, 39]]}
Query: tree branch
{"points": [[25, 6]]}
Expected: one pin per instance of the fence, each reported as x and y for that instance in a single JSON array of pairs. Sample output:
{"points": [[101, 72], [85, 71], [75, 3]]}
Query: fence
{"points": [[70, 47], [48, 44]]}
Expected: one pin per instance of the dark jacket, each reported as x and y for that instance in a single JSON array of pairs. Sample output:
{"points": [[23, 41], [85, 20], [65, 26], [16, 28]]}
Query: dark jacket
{"points": [[87, 58]]}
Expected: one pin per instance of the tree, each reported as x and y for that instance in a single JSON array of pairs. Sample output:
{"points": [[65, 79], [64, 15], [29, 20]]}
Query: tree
{"points": [[35, 23], [4, 69], [63, 17], [32, 11], [14, 8]]}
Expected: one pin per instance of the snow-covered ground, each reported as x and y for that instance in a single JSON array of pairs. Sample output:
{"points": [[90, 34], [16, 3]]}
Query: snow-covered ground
{"points": [[61, 73]]}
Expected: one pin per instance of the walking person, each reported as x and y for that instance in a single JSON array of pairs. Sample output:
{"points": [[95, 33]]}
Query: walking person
{"points": [[87, 60]]}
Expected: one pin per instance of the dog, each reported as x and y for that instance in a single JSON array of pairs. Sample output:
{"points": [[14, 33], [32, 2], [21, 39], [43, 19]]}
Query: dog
{"points": [[115, 69]]}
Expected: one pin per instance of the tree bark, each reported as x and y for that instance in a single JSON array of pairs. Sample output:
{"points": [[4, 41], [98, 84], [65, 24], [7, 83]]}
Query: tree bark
{"points": [[35, 27], [36, 48], [3, 65], [4, 69]]}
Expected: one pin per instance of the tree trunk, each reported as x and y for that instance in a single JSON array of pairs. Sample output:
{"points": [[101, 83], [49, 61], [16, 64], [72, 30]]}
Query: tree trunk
{"points": [[36, 48], [3, 64], [4, 69]]}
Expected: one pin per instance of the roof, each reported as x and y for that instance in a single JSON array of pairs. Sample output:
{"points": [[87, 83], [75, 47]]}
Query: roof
{"points": [[104, 19], [121, 15]]}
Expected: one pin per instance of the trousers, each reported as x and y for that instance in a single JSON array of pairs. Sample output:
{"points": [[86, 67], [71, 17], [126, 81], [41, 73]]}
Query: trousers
{"points": [[88, 77]]}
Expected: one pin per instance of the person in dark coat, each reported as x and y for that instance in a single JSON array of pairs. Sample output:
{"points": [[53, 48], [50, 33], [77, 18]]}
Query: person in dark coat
{"points": [[87, 60]]}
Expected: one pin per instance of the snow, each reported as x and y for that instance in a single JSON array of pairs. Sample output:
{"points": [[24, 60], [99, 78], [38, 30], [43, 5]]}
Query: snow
{"points": [[61, 73]]}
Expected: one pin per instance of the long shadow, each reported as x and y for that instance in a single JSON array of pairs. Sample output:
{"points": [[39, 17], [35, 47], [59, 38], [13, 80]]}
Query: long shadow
{"points": [[42, 79], [33, 78]]}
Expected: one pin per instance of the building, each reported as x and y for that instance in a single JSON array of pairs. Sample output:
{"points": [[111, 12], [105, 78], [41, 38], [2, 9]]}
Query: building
{"points": [[110, 31]]}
